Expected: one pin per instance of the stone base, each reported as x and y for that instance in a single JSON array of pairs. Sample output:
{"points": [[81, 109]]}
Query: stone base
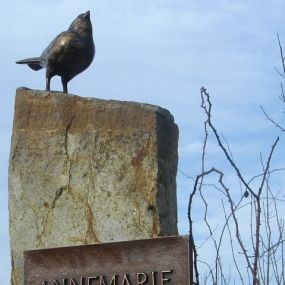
{"points": [[84, 170]]}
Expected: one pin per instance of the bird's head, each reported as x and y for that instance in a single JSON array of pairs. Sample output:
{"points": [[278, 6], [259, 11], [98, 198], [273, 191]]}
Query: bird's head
{"points": [[82, 25]]}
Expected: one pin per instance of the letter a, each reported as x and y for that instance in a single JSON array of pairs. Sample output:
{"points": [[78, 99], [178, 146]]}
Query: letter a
{"points": [[126, 280]]}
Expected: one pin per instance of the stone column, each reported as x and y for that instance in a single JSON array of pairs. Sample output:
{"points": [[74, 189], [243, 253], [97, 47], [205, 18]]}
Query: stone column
{"points": [[84, 170]]}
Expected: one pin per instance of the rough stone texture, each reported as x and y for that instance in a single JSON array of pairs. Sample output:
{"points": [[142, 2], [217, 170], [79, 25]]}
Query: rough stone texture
{"points": [[84, 170]]}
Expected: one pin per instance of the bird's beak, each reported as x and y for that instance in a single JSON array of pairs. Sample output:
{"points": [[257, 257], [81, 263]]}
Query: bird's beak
{"points": [[86, 15]]}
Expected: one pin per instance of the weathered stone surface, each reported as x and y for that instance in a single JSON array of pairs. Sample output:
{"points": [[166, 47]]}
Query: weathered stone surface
{"points": [[84, 170]]}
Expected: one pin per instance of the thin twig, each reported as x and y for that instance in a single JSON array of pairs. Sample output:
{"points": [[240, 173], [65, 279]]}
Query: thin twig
{"points": [[281, 54], [282, 96], [272, 120], [208, 112]]}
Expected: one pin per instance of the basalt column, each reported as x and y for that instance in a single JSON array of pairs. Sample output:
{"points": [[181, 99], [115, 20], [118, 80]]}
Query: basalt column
{"points": [[84, 170]]}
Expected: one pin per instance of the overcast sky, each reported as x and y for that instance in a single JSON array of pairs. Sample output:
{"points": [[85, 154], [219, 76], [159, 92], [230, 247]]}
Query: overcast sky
{"points": [[159, 52]]}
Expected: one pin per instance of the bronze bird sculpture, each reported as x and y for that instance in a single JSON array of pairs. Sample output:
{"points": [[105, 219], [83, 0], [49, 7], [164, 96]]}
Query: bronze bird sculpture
{"points": [[70, 53]]}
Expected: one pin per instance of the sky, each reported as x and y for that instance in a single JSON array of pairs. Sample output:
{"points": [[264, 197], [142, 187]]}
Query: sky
{"points": [[160, 52]]}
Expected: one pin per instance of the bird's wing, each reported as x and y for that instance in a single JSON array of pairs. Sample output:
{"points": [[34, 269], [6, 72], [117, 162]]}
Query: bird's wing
{"points": [[68, 54], [64, 43]]}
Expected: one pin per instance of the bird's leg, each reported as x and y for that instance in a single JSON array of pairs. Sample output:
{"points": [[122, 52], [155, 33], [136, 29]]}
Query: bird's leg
{"points": [[65, 87], [48, 83], [64, 84]]}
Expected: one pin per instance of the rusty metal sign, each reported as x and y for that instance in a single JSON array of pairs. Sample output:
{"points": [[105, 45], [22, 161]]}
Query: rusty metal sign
{"points": [[141, 262]]}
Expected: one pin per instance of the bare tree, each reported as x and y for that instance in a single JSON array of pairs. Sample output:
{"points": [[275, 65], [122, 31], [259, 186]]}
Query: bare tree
{"points": [[246, 243]]}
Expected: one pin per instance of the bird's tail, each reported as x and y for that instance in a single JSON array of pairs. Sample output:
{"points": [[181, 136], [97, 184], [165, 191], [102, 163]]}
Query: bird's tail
{"points": [[34, 63]]}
